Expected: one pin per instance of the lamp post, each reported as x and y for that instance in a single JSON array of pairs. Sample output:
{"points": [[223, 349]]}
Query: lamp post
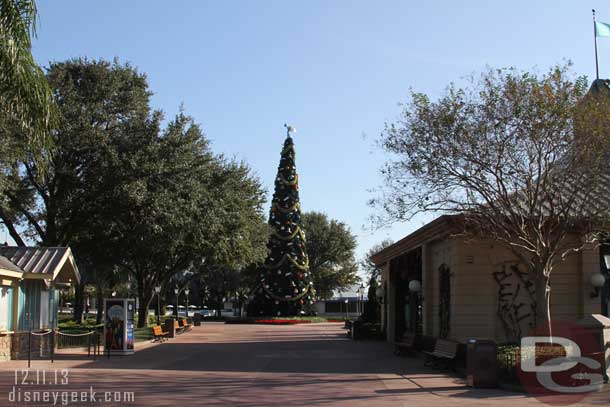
{"points": [[380, 294], [361, 298], [597, 280], [204, 296], [177, 292], [187, 291], [157, 291], [346, 308], [248, 306], [415, 286]]}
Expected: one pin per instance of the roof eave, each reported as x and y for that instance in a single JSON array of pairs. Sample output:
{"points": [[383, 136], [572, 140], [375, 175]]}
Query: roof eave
{"points": [[436, 229]]}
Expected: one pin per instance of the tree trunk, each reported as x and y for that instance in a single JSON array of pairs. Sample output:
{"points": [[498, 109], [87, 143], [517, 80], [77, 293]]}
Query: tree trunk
{"points": [[11, 229], [543, 300], [99, 304], [220, 305], [145, 298], [79, 300], [143, 310]]}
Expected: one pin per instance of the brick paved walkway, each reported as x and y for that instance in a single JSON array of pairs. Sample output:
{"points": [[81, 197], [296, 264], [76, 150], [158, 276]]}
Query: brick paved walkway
{"points": [[256, 365]]}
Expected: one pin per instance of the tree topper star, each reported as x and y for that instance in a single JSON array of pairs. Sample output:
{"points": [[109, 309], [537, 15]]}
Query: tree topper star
{"points": [[289, 129]]}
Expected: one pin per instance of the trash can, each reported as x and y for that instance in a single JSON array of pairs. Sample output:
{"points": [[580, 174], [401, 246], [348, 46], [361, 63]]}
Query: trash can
{"points": [[197, 319], [482, 363], [170, 327], [356, 330]]}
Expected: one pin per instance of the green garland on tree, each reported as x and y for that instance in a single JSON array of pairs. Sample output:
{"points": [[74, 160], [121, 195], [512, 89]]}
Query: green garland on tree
{"points": [[286, 285]]}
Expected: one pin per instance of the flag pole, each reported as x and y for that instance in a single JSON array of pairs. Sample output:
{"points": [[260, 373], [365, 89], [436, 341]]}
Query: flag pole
{"points": [[595, 41]]}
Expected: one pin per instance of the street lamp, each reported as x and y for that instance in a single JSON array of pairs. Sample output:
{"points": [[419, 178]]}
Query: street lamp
{"points": [[187, 291], [415, 287], [361, 298], [177, 292], [380, 294], [346, 308], [597, 280], [157, 291]]}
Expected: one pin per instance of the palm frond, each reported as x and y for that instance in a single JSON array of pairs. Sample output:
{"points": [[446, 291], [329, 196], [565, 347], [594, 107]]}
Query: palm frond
{"points": [[25, 95]]}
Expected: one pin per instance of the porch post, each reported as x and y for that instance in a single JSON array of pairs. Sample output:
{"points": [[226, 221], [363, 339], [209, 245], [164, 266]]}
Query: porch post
{"points": [[425, 284], [391, 306], [15, 292]]}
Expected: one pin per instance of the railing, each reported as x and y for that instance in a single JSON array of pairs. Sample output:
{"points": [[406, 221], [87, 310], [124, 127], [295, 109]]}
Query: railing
{"points": [[78, 339], [42, 344]]}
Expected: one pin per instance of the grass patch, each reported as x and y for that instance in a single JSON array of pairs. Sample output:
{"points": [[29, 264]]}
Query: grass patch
{"points": [[68, 325]]}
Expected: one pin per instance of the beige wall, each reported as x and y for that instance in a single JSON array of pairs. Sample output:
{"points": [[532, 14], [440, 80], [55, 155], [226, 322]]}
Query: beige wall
{"points": [[474, 292], [477, 293], [589, 263]]}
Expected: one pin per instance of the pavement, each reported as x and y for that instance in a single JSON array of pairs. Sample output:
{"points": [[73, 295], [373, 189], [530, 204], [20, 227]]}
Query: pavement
{"points": [[252, 365]]}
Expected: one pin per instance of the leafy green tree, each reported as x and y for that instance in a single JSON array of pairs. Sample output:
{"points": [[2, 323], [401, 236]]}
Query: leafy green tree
{"points": [[51, 202], [240, 238], [367, 264], [96, 101], [372, 309], [330, 248], [181, 205], [521, 157], [158, 199]]}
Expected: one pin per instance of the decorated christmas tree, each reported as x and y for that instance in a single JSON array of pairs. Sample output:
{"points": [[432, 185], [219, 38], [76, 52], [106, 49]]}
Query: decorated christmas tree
{"points": [[286, 286]]}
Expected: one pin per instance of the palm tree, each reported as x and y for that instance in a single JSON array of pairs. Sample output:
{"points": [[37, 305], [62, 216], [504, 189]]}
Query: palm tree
{"points": [[25, 95]]}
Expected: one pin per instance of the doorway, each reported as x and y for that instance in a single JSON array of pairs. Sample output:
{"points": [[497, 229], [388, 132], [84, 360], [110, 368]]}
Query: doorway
{"points": [[408, 305]]}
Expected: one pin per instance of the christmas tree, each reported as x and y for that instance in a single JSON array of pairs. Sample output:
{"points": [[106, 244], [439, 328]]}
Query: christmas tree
{"points": [[286, 286]]}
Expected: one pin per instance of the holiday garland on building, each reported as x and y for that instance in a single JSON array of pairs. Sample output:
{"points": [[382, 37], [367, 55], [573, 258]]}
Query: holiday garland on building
{"points": [[286, 286]]}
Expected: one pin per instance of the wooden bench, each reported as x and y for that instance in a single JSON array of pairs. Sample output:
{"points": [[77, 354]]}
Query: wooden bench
{"points": [[405, 344], [159, 335], [184, 324], [444, 352]]}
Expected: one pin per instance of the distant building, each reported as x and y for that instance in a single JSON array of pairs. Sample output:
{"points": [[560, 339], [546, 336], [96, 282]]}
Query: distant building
{"points": [[343, 303]]}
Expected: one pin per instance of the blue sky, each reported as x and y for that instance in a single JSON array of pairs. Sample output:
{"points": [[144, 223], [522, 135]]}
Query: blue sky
{"points": [[334, 69]]}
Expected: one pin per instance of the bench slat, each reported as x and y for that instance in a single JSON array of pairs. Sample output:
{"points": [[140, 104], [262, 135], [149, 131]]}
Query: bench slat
{"points": [[158, 333], [444, 349]]}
